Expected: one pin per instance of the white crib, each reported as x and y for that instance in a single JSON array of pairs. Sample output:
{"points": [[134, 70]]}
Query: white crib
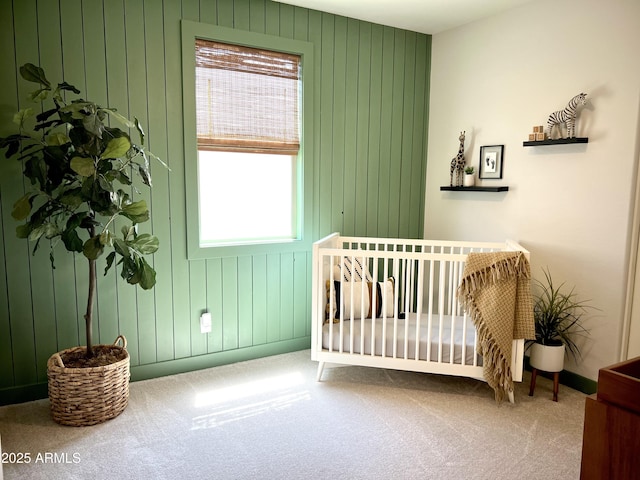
{"points": [[419, 324]]}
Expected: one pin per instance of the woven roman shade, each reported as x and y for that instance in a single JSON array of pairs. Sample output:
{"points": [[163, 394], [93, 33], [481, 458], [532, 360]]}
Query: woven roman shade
{"points": [[247, 99]]}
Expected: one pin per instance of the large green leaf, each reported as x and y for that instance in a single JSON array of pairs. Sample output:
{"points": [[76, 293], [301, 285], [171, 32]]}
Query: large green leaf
{"points": [[143, 170], [92, 124], [157, 158], [116, 148], [35, 74], [83, 166], [47, 229], [121, 247], [72, 198], [147, 275], [140, 130], [23, 231], [72, 241], [93, 248], [21, 116], [110, 258], [137, 212], [36, 170], [22, 208], [77, 109], [145, 243], [39, 95], [66, 86], [136, 270], [121, 118], [57, 139]]}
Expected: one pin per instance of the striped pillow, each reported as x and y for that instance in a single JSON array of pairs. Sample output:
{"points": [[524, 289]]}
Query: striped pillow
{"points": [[355, 269]]}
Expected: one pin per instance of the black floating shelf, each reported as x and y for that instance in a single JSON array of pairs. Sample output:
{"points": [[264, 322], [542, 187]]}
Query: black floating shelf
{"points": [[558, 141], [475, 189]]}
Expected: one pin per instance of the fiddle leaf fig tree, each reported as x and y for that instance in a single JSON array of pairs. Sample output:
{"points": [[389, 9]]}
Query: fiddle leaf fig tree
{"points": [[80, 173]]}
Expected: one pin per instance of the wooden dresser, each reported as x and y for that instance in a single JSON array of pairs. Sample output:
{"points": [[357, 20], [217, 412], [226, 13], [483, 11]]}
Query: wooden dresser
{"points": [[611, 441]]}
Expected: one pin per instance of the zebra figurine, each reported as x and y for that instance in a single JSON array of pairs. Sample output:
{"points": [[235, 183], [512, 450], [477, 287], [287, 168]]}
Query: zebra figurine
{"points": [[566, 116], [457, 164]]}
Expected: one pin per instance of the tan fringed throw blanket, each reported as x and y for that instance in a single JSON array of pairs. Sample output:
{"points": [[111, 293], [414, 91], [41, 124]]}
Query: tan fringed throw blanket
{"points": [[495, 291]]}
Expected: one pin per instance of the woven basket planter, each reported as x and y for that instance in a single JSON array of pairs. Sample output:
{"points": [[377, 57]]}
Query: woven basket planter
{"points": [[88, 396]]}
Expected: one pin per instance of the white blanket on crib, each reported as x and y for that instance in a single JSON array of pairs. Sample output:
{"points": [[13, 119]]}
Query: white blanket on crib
{"points": [[377, 336]]}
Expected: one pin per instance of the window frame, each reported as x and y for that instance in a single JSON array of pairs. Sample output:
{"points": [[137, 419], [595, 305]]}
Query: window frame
{"points": [[190, 31]]}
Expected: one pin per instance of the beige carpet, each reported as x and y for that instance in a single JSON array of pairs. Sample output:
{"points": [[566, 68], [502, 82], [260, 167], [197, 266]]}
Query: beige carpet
{"points": [[270, 419]]}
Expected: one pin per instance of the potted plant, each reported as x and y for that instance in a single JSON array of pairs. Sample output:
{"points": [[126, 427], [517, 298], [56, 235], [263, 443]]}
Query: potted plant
{"points": [[558, 320], [80, 172], [469, 176]]}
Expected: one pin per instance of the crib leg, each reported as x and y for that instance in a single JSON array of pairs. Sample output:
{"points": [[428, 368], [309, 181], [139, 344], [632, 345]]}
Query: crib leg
{"points": [[320, 370], [511, 397]]}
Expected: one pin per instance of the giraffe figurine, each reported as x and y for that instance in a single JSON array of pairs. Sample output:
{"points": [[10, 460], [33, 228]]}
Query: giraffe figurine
{"points": [[457, 164]]}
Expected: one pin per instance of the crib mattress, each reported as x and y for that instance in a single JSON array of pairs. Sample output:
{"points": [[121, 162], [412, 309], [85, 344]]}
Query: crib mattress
{"points": [[434, 343]]}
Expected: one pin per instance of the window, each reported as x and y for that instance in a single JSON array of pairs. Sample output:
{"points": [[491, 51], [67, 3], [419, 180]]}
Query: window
{"points": [[247, 96], [247, 104]]}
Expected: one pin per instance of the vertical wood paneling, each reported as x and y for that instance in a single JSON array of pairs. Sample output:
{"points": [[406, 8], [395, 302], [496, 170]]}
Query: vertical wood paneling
{"points": [[9, 171], [229, 303], [225, 13], [257, 16], [160, 195], [363, 129], [286, 21], [370, 121], [300, 23], [74, 73], [7, 174], [105, 312], [41, 272], [272, 18], [116, 58], [6, 364], [386, 124], [19, 259], [286, 296], [419, 147], [208, 11], [397, 112], [259, 299], [301, 288], [245, 302], [325, 134], [407, 133], [273, 298], [338, 123], [350, 180], [315, 37], [241, 19], [375, 125], [214, 304], [143, 330], [176, 243], [198, 303], [116, 71]]}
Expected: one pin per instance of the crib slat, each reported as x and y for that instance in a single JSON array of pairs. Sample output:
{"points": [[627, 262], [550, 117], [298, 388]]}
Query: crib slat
{"points": [[441, 302], [420, 274]]}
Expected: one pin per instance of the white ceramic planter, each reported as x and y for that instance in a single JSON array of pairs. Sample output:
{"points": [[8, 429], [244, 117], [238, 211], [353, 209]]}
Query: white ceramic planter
{"points": [[469, 179], [547, 358]]}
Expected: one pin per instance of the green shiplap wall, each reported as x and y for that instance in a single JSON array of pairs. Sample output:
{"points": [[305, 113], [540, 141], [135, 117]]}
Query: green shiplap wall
{"points": [[370, 121]]}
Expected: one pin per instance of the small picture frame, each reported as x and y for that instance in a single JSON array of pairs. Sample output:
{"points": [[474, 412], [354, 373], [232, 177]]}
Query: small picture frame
{"points": [[491, 161]]}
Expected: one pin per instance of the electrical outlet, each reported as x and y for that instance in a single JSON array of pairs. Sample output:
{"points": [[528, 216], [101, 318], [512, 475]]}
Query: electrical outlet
{"points": [[205, 322]]}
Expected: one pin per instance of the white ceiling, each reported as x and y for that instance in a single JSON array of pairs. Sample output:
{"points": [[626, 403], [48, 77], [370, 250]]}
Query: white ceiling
{"points": [[424, 16]]}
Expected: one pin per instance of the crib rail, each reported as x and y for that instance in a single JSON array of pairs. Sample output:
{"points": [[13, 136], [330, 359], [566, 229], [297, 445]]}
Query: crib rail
{"points": [[405, 314]]}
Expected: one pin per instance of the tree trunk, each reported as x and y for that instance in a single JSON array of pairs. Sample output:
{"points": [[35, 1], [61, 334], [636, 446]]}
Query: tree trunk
{"points": [[88, 316]]}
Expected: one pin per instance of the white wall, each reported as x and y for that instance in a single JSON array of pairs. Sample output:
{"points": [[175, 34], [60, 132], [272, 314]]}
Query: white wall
{"points": [[570, 205]]}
